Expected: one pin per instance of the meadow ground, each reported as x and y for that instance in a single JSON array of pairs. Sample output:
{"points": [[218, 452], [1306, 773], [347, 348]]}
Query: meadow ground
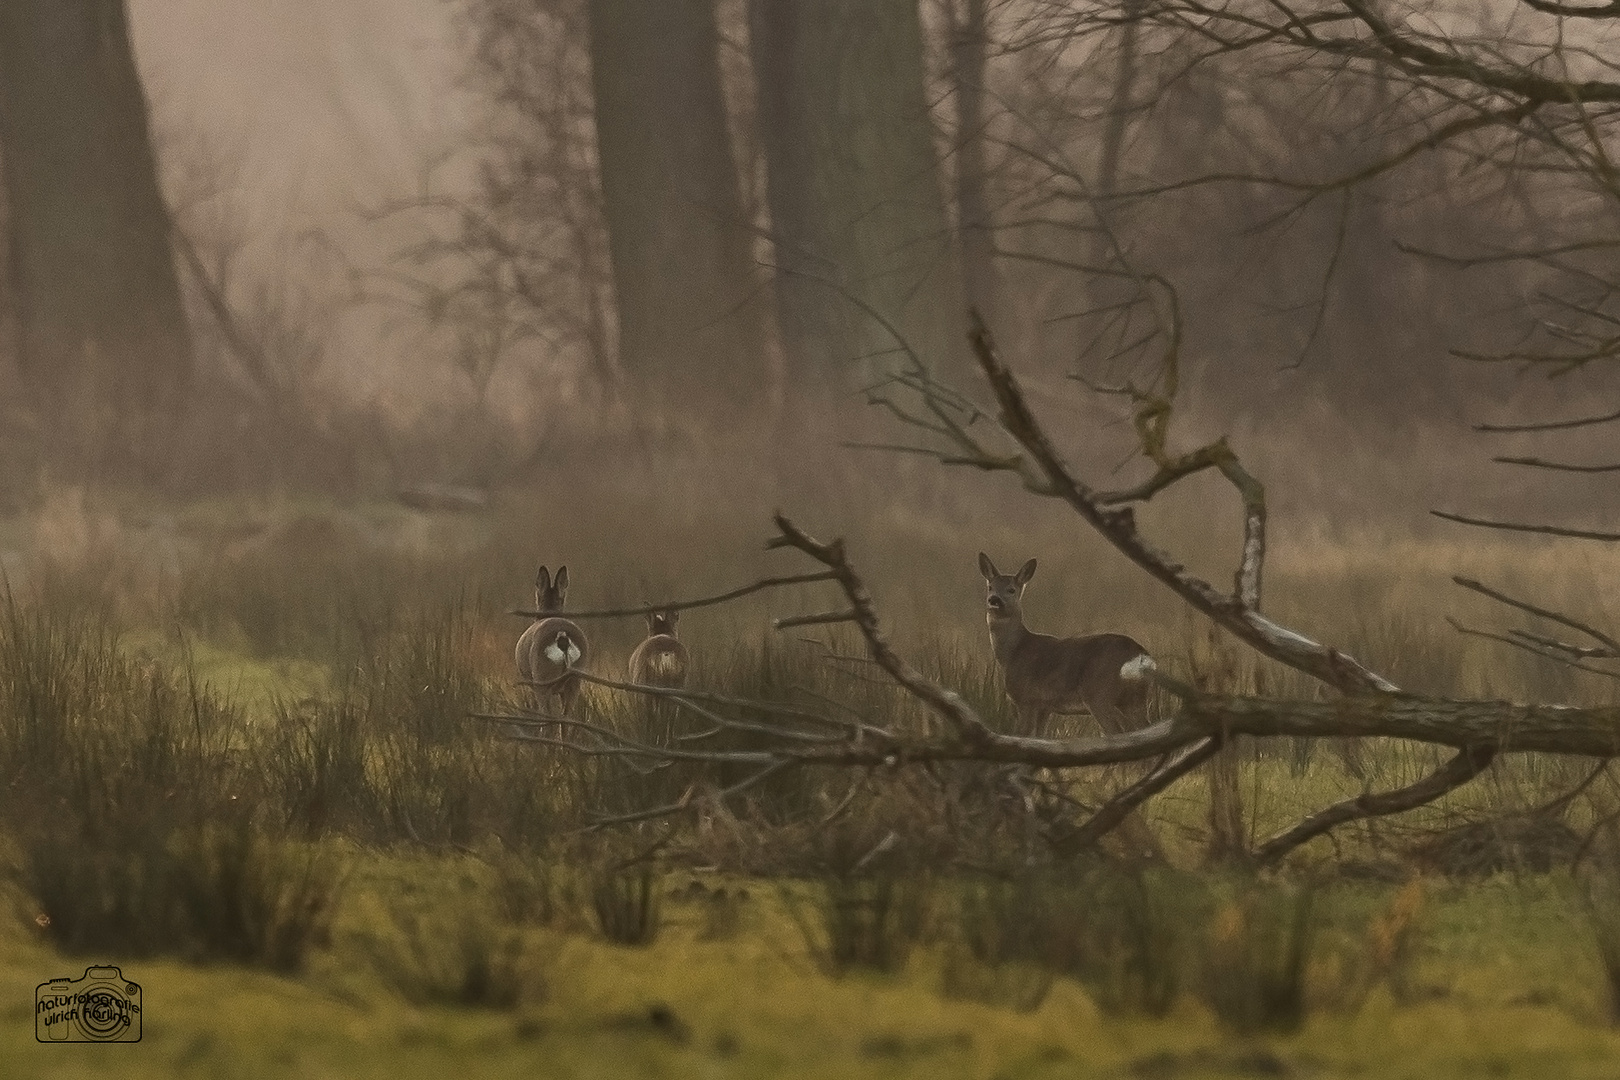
{"points": [[414, 897]]}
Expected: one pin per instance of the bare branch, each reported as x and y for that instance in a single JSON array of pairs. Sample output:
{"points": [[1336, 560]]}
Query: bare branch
{"points": [[1114, 812], [770, 708], [682, 605], [1540, 612], [821, 619], [1580, 652], [1530, 647], [1511, 526], [1046, 475], [1556, 466], [1551, 425], [1468, 763], [686, 802], [946, 703], [1611, 10]]}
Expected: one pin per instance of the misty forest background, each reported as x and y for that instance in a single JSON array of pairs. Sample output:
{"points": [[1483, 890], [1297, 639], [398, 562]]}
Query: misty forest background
{"points": [[362, 248], [322, 325]]}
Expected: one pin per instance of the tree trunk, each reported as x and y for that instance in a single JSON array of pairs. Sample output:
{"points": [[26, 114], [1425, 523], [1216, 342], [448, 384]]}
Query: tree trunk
{"points": [[970, 46], [853, 186], [690, 335], [99, 316]]}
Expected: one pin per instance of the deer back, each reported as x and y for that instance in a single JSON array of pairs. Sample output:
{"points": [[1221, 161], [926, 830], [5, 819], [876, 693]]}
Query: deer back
{"points": [[660, 660], [1072, 674]]}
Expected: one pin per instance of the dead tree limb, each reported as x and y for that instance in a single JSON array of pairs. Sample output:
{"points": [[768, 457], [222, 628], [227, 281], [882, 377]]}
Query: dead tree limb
{"points": [[1468, 763], [1114, 812], [1045, 474], [1371, 705], [947, 704], [682, 605]]}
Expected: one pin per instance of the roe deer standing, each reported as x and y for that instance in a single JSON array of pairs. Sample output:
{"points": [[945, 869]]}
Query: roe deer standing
{"points": [[661, 659], [1103, 674], [551, 648]]}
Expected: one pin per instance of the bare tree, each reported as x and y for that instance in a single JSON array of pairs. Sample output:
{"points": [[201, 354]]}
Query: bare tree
{"points": [[97, 297]]}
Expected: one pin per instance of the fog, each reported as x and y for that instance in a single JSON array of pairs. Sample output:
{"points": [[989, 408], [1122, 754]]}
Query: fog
{"points": [[324, 108], [292, 137]]}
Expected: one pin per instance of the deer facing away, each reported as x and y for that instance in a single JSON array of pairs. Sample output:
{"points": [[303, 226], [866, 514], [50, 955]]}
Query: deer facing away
{"points": [[551, 648], [660, 660], [1103, 674]]}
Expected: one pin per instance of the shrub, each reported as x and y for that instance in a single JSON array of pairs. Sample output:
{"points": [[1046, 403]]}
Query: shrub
{"points": [[1000, 955], [1600, 894], [460, 955], [862, 921], [1255, 958], [627, 903], [209, 892]]}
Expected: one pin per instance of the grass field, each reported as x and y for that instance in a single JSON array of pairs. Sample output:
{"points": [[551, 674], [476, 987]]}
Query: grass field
{"points": [[412, 896]]}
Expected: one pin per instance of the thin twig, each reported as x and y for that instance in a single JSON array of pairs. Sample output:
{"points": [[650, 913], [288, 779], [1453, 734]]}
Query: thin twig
{"points": [[1468, 763], [1550, 425], [1540, 612], [822, 618], [680, 605], [687, 803], [1513, 526]]}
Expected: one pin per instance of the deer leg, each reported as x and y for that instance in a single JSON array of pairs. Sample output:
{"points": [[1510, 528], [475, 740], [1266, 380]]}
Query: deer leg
{"points": [[567, 697]]}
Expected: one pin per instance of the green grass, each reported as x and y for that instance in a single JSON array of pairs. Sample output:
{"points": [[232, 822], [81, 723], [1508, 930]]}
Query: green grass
{"points": [[756, 1004]]}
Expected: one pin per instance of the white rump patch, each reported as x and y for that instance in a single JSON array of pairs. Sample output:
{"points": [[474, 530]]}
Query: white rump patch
{"points": [[557, 656], [1137, 667], [665, 663]]}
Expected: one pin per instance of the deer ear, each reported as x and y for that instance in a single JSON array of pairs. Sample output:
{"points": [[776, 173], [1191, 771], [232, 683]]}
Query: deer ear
{"points": [[542, 580], [986, 567], [562, 578], [1025, 572], [672, 617]]}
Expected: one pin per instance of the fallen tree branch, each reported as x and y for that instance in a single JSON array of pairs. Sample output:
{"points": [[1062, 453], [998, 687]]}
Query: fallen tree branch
{"points": [[945, 703], [1556, 466], [1114, 812], [679, 605], [1508, 727], [1468, 763], [1044, 473], [686, 802]]}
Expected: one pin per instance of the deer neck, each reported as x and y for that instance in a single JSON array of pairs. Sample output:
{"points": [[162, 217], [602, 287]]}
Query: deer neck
{"points": [[1007, 633]]}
